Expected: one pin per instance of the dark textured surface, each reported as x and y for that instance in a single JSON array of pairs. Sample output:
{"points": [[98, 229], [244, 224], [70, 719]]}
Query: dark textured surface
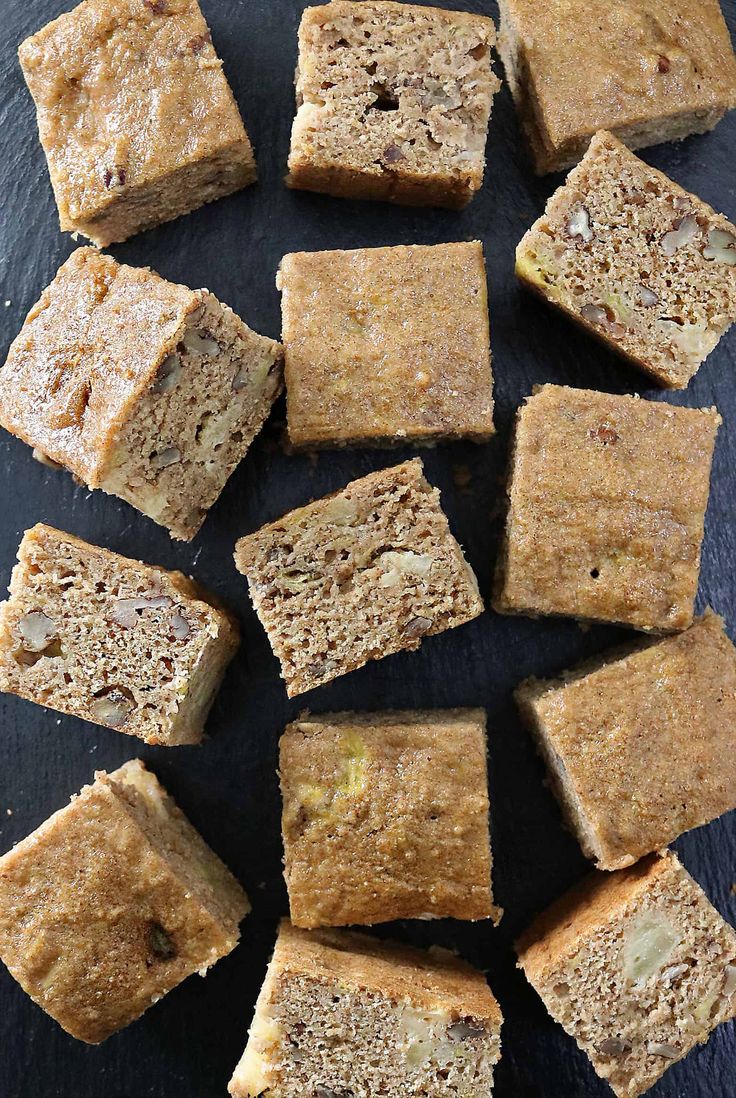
{"points": [[187, 1045]]}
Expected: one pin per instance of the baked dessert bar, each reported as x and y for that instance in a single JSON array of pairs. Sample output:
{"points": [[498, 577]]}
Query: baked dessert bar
{"points": [[637, 966], [607, 499], [135, 115], [387, 345], [116, 642], [358, 575], [112, 902], [646, 267], [649, 71], [658, 722], [393, 102], [141, 387], [386, 817], [341, 1013]]}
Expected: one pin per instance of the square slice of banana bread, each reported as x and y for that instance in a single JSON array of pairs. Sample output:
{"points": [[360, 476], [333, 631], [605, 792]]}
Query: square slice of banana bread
{"points": [[385, 817], [146, 389], [647, 70], [393, 102], [387, 345], [607, 500], [112, 902], [657, 721], [357, 576], [635, 260], [135, 115], [637, 966], [116, 642], [341, 1013]]}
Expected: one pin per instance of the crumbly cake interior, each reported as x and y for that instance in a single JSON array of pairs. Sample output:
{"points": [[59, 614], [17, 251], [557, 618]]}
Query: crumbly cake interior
{"points": [[394, 102], [212, 394], [118, 85], [607, 500], [357, 576], [651, 972], [125, 645], [647, 267]]}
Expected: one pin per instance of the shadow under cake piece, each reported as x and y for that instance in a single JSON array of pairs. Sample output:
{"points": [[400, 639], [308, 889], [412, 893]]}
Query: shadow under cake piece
{"points": [[135, 115], [646, 267], [385, 816], [112, 902], [607, 500], [637, 966], [386, 345], [648, 70], [116, 642], [341, 1013], [358, 575], [393, 102], [640, 745], [141, 387]]}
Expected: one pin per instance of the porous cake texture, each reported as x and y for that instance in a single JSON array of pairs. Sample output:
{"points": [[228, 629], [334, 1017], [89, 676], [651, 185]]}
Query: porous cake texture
{"points": [[146, 389], [637, 966], [113, 902], [135, 115], [358, 575], [385, 816], [123, 644], [657, 721], [342, 1014], [607, 500], [387, 345], [648, 70], [646, 267], [393, 102]]}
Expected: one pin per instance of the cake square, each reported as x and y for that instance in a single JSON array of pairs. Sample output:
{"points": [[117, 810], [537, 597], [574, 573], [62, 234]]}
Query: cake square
{"points": [[386, 817], [658, 722], [641, 264], [607, 500], [386, 345], [647, 71], [393, 102], [146, 389], [356, 576], [112, 902], [116, 642], [341, 1013], [637, 966], [135, 115]]}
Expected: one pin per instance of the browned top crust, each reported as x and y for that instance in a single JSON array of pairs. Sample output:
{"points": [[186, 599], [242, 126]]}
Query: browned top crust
{"points": [[86, 353], [386, 817], [433, 980], [127, 91], [387, 343], [595, 65]]}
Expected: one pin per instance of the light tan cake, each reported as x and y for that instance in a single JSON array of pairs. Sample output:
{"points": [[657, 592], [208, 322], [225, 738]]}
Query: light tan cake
{"points": [[649, 70], [116, 642], [113, 902], [658, 722], [135, 115], [386, 817], [607, 500], [356, 576], [342, 1014], [637, 966], [393, 102], [146, 389], [387, 345], [646, 267]]}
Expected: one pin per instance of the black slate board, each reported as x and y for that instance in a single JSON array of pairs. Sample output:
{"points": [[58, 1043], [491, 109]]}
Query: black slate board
{"points": [[188, 1044]]}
